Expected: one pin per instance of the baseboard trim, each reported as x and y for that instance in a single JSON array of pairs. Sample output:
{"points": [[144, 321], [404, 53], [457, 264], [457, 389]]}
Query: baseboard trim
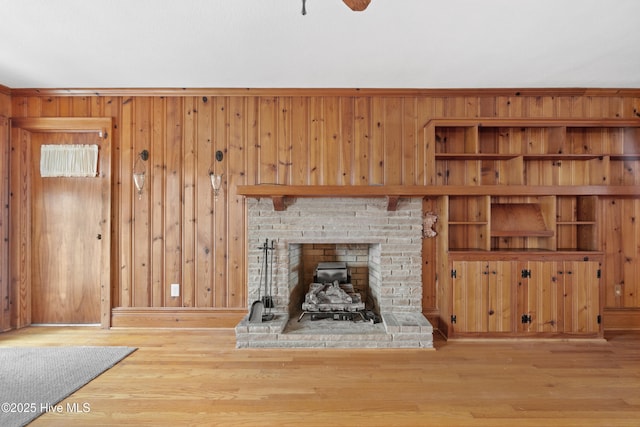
{"points": [[621, 319], [129, 317]]}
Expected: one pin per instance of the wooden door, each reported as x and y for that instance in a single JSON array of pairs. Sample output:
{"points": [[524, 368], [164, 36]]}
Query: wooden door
{"points": [[581, 298], [482, 296], [499, 289], [66, 238], [45, 248], [469, 296], [539, 290]]}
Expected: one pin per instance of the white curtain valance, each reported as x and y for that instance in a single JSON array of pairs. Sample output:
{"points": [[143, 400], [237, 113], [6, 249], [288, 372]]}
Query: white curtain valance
{"points": [[69, 160]]}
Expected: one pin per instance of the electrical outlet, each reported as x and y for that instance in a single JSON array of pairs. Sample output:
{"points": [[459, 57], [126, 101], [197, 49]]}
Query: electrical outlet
{"points": [[175, 289], [618, 290]]}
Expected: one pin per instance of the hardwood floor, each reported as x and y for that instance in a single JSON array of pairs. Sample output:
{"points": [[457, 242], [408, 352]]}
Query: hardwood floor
{"points": [[197, 377]]}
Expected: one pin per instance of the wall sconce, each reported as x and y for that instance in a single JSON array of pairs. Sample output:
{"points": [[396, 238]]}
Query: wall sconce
{"points": [[139, 171], [216, 178]]}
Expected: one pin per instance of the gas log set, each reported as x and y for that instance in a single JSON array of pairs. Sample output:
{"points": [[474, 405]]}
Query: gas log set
{"points": [[332, 296]]}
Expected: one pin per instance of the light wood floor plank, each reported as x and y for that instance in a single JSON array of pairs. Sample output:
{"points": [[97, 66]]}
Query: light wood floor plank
{"points": [[199, 378]]}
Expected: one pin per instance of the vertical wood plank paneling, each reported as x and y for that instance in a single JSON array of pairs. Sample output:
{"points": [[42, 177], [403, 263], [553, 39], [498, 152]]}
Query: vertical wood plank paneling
{"points": [[610, 242], [173, 207], [331, 144], [204, 209], [347, 138], [411, 141], [488, 106], [20, 237], [127, 194], [176, 234], [189, 219], [316, 138], [393, 162], [299, 141], [65, 106], [158, 173], [18, 106], [629, 252], [376, 152], [49, 107], [429, 257], [632, 297], [268, 143], [5, 302], [252, 144], [472, 106], [283, 138], [80, 106], [454, 106], [236, 234], [112, 108], [140, 244], [220, 142], [425, 165], [362, 137]]}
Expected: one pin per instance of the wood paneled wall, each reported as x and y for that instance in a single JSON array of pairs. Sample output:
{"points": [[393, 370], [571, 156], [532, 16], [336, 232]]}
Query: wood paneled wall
{"points": [[177, 234], [5, 114]]}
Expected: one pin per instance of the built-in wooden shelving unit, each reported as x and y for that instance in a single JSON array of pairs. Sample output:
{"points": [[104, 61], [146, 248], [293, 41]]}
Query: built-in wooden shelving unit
{"points": [[519, 253], [518, 245]]}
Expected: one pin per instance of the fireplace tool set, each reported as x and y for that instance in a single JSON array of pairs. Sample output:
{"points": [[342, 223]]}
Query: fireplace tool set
{"points": [[261, 308]]}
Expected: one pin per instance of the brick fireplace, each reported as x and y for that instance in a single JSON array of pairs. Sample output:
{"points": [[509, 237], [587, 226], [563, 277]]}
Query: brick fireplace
{"points": [[382, 249]]}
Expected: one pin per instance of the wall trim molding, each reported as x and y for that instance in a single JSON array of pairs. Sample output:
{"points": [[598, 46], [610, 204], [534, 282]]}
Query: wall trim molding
{"points": [[378, 92], [621, 319], [178, 317]]}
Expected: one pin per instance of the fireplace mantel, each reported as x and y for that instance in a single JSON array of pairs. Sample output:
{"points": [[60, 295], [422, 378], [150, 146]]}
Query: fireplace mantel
{"points": [[277, 193]]}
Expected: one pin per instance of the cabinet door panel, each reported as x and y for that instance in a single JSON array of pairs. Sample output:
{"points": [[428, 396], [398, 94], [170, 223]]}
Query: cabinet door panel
{"points": [[469, 296], [500, 284], [482, 296], [581, 297], [538, 296]]}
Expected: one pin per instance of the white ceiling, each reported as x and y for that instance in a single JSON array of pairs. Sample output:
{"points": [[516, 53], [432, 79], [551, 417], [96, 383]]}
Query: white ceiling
{"points": [[270, 44]]}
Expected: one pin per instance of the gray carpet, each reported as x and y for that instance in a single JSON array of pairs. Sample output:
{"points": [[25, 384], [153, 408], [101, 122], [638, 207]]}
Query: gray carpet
{"points": [[35, 380]]}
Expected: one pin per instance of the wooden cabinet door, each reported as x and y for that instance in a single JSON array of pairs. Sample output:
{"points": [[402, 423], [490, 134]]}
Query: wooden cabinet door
{"points": [[469, 298], [482, 296], [558, 297], [499, 290], [581, 297], [539, 291]]}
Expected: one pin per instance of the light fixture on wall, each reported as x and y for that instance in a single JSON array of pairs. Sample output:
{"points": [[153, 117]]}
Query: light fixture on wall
{"points": [[139, 171], [216, 176]]}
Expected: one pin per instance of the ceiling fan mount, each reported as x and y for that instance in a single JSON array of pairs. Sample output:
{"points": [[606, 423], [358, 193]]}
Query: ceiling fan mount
{"points": [[355, 5]]}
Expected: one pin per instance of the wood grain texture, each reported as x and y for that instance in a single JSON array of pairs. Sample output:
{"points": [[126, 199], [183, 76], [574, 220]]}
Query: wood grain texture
{"points": [[30, 207], [341, 137], [199, 378], [5, 129]]}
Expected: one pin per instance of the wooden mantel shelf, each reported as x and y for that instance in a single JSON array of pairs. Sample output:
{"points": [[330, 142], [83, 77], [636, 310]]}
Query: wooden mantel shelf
{"points": [[393, 193]]}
